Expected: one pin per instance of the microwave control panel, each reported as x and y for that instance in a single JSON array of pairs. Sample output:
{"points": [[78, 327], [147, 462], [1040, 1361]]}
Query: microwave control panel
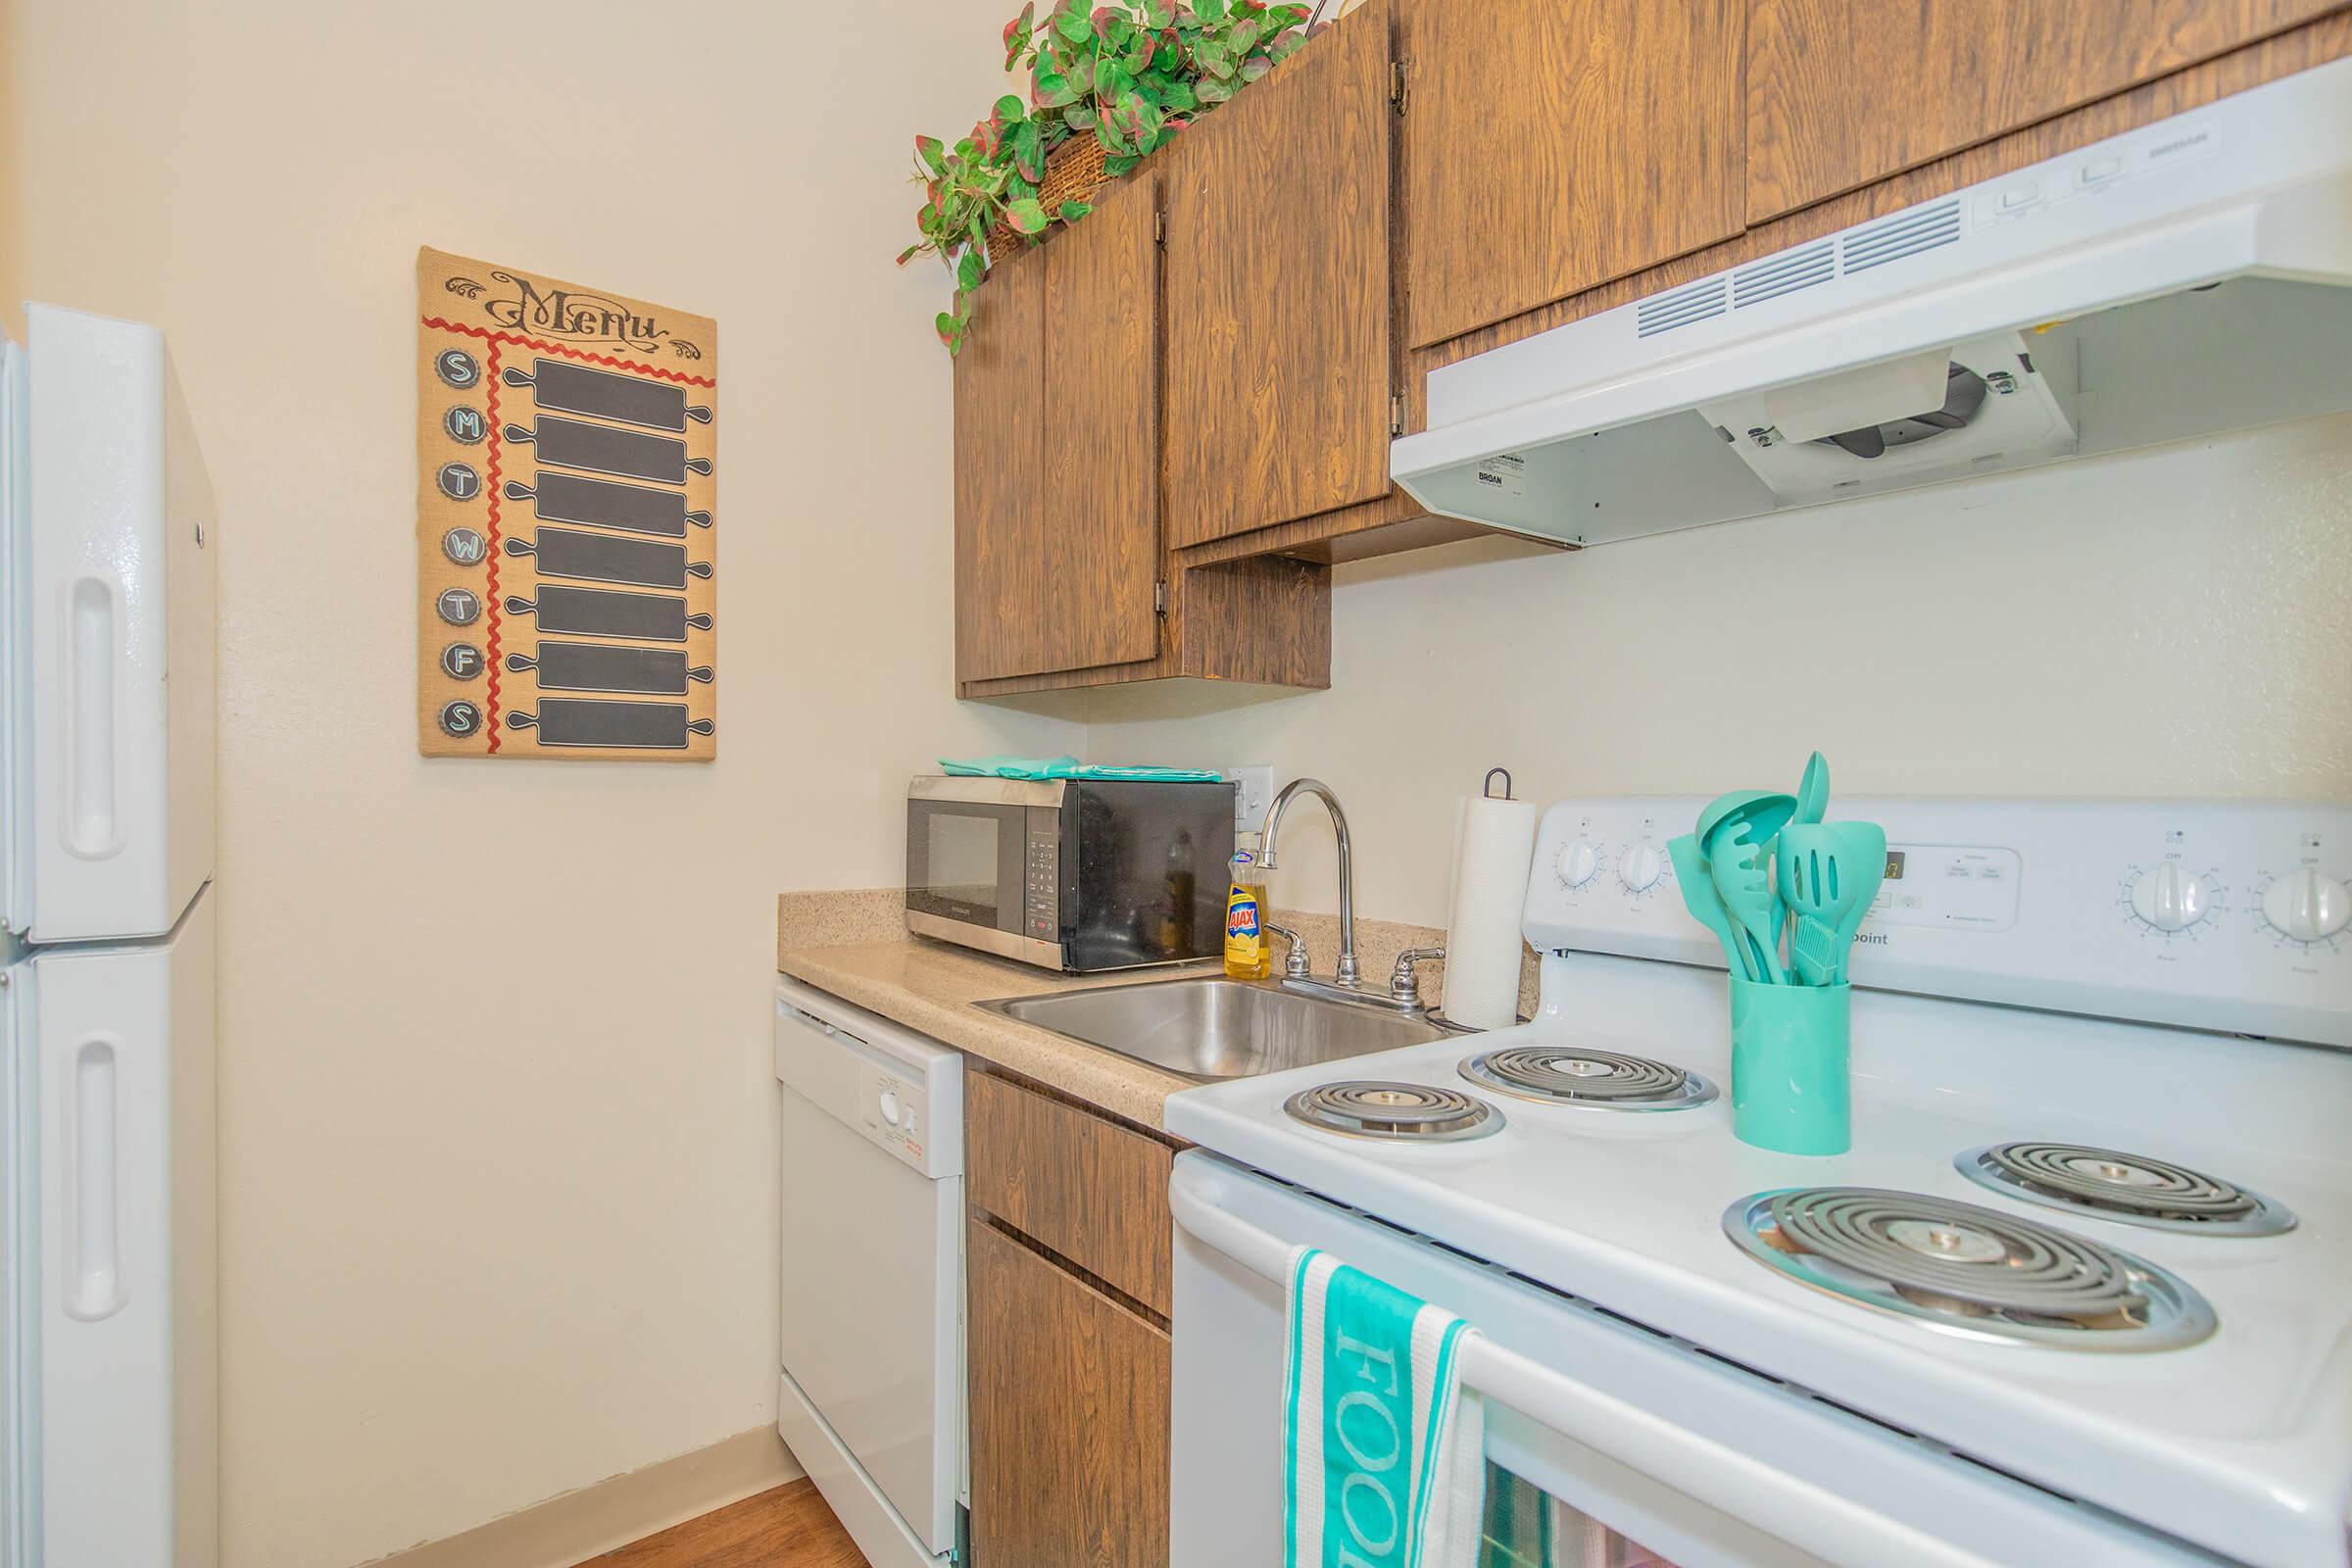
{"points": [[1043, 901]]}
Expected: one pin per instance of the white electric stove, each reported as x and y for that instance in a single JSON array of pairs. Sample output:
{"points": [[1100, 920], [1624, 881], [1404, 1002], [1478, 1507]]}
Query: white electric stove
{"points": [[2081, 1292]]}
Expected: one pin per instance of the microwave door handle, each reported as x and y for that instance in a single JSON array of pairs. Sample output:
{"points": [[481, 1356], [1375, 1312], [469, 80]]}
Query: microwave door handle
{"points": [[1808, 1517]]}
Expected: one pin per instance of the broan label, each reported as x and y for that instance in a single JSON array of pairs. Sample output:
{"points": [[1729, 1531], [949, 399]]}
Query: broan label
{"points": [[1503, 474]]}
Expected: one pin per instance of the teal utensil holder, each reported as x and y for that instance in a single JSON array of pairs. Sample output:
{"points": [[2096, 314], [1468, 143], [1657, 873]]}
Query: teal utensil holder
{"points": [[1790, 1047]]}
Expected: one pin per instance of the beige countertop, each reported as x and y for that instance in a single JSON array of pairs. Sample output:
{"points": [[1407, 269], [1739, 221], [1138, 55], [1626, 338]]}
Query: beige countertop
{"points": [[855, 946], [931, 988]]}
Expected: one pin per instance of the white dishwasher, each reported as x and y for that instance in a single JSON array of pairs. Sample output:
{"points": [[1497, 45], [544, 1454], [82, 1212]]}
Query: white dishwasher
{"points": [[871, 1393]]}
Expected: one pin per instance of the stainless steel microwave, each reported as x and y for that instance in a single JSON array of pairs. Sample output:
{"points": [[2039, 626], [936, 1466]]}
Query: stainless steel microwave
{"points": [[1078, 875]]}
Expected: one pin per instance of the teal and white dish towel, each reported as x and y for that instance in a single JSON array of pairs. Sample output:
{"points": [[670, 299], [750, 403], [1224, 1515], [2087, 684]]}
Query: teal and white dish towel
{"points": [[1383, 1448], [1051, 767]]}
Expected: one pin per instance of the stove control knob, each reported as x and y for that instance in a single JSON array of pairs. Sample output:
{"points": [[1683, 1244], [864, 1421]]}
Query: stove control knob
{"points": [[1577, 862], [1640, 868], [2170, 897], [2306, 906]]}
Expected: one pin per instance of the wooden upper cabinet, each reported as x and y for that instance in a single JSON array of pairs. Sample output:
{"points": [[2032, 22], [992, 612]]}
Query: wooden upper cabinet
{"points": [[1000, 461], [1101, 467], [1056, 516], [1279, 371], [1550, 145], [1841, 93]]}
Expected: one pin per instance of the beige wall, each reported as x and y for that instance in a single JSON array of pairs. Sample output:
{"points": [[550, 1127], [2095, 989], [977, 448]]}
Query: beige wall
{"points": [[497, 1115], [11, 318], [2167, 624]]}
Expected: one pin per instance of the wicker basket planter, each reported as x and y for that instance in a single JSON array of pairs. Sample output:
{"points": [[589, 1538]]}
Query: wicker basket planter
{"points": [[1073, 174]]}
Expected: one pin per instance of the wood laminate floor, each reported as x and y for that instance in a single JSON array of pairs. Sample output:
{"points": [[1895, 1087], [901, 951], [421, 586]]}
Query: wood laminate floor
{"points": [[787, 1528]]}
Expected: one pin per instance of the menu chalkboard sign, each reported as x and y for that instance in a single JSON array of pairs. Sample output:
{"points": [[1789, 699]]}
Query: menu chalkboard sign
{"points": [[541, 401]]}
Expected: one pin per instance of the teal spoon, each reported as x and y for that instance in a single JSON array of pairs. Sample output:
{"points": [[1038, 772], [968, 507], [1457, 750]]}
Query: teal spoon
{"points": [[1698, 897], [1813, 794], [1827, 872]]}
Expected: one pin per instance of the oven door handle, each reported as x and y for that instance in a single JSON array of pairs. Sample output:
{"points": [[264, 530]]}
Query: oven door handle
{"points": [[1808, 1517]]}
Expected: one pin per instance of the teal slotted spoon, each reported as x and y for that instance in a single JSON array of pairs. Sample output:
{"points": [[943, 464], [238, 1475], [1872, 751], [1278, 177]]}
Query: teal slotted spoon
{"points": [[1828, 875], [1699, 898]]}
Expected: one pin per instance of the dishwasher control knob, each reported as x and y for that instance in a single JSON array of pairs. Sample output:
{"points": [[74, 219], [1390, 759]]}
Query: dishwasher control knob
{"points": [[2306, 906], [2170, 897], [1578, 862], [889, 1107], [1640, 868]]}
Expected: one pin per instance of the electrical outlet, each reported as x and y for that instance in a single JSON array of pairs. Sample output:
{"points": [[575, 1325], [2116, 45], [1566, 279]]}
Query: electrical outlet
{"points": [[1256, 793]]}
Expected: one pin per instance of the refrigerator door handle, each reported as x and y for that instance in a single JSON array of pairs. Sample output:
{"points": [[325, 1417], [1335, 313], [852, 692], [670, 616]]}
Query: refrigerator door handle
{"points": [[93, 830], [94, 1273]]}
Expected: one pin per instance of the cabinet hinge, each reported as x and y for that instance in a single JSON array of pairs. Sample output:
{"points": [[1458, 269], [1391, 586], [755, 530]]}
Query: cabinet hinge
{"points": [[1159, 597], [1397, 85], [1396, 415], [1159, 227]]}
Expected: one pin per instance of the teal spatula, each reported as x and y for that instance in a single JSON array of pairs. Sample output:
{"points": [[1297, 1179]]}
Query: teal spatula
{"points": [[1828, 873], [1690, 874]]}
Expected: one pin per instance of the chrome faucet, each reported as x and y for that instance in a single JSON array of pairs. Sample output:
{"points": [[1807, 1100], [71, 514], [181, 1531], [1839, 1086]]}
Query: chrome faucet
{"points": [[1347, 975]]}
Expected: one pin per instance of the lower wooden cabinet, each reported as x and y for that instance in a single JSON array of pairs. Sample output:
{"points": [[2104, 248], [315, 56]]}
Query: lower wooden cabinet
{"points": [[1069, 1415]]}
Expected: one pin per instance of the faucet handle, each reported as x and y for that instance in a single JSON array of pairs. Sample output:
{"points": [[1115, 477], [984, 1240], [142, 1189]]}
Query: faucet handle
{"points": [[1404, 986], [1296, 965]]}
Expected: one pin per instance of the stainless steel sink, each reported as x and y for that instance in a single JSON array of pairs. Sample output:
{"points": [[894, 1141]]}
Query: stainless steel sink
{"points": [[1218, 1028]]}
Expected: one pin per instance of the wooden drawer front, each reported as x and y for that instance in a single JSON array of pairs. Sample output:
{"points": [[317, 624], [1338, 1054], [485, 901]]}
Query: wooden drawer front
{"points": [[1070, 1417], [1078, 1184]]}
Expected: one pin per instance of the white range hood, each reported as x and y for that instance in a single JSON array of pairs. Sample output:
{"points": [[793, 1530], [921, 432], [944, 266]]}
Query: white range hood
{"points": [[2188, 277]]}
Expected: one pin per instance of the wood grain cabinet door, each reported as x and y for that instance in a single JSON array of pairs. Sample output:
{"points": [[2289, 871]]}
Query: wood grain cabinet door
{"points": [[1070, 1417], [1057, 395], [1550, 145], [1101, 467], [1841, 93], [1277, 277], [1000, 463]]}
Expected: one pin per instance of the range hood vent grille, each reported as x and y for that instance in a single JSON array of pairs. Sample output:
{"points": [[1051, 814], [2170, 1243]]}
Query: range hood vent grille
{"points": [[1770, 279], [1695, 302], [1904, 234]]}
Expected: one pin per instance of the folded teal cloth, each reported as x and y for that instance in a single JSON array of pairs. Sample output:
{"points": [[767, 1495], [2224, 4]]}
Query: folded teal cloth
{"points": [[1071, 767], [1384, 1450]]}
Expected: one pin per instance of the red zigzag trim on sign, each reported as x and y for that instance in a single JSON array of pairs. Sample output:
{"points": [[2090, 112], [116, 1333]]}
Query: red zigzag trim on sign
{"points": [[495, 603], [517, 338]]}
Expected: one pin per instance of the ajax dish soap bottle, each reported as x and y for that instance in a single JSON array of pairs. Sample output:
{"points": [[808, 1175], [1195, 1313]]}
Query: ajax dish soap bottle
{"points": [[1247, 953]]}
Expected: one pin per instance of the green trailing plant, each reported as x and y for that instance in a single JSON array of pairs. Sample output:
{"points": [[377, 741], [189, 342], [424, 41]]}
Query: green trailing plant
{"points": [[1129, 74]]}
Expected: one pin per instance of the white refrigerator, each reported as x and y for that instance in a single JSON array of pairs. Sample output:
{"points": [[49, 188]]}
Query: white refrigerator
{"points": [[108, 1372]]}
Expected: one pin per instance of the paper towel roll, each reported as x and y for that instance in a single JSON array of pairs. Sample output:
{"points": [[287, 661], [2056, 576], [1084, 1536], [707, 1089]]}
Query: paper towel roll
{"points": [[1495, 841]]}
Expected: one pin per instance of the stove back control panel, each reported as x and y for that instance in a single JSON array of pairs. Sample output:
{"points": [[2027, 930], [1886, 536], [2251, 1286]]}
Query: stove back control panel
{"points": [[2214, 914]]}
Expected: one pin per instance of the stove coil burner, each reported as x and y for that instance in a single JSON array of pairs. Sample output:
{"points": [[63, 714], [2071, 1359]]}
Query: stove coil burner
{"points": [[1393, 1112], [1967, 1270], [1563, 1075], [2133, 1188]]}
